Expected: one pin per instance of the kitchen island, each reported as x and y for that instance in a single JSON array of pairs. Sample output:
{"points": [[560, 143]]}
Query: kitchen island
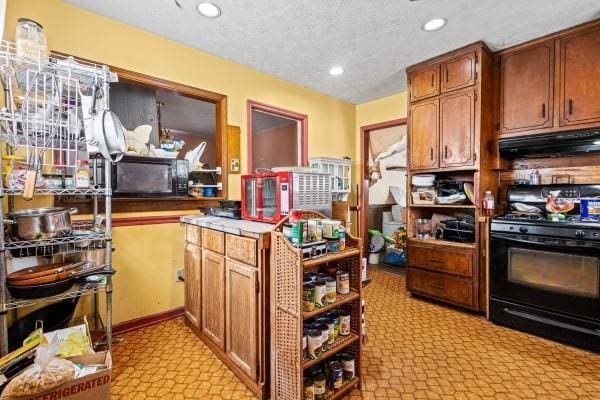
{"points": [[227, 293]]}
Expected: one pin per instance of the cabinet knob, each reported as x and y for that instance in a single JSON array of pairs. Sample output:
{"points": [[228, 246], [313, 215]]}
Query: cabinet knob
{"points": [[570, 106], [432, 80], [445, 151], [431, 153], [543, 110], [446, 75]]}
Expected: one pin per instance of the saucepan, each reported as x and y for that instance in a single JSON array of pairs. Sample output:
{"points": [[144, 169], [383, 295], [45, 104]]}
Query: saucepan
{"points": [[41, 223]]}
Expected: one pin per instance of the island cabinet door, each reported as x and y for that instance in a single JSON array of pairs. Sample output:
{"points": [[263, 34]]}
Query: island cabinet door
{"points": [[242, 316], [213, 297], [192, 265]]}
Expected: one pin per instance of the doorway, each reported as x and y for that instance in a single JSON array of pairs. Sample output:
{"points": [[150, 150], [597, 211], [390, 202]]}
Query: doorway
{"points": [[383, 177], [276, 137]]}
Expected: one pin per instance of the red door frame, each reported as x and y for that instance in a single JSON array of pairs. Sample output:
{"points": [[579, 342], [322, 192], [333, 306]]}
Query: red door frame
{"points": [[301, 118], [365, 132]]}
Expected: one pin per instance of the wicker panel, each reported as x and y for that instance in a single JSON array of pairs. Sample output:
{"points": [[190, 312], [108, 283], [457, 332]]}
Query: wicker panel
{"points": [[287, 317], [286, 359]]}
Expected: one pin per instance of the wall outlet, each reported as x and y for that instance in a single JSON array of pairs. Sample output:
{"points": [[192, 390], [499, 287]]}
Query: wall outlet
{"points": [[179, 275], [235, 165]]}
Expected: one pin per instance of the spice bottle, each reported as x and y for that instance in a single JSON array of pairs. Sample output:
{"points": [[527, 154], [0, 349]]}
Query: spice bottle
{"points": [[488, 204], [82, 176]]}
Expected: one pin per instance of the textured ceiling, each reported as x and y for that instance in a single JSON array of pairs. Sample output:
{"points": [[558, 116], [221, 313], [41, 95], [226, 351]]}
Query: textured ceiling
{"points": [[262, 121], [374, 40], [186, 114]]}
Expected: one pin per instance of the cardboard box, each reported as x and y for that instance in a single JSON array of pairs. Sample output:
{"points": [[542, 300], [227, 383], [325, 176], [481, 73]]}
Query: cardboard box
{"points": [[95, 386]]}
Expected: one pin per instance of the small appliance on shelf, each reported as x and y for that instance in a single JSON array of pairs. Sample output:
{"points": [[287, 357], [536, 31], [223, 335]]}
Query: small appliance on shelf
{"points": [[269, 197]]}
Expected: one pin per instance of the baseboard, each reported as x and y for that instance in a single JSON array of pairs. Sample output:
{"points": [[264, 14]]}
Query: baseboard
{"points": [[134, 324]]}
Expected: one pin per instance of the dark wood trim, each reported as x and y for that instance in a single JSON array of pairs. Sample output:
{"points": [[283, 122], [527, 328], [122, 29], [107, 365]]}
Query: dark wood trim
{"points": [[448, 56], [301, 118], [162, 204], [120, 205], [150, 220], [365, 132], [142, 322]]}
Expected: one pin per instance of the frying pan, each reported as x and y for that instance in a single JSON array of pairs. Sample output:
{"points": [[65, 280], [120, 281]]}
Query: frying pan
{"points": [[53, 316], [41, 274], [54, 288]]}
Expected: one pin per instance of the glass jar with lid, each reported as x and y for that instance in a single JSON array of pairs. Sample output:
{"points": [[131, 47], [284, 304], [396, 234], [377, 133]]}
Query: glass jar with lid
{"points": [[31, 41]]}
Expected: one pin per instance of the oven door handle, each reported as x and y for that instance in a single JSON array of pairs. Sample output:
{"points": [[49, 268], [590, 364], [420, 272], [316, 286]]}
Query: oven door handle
{"points": [[554, 244]]}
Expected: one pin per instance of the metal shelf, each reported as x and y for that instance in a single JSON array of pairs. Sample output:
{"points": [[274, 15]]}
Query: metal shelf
{"points": [[59, 192], [79, 289], [216, 170]]}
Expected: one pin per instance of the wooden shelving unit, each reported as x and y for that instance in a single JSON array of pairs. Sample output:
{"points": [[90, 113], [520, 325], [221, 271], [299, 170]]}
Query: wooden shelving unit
{"points": [[470, 206], [288, 317]]}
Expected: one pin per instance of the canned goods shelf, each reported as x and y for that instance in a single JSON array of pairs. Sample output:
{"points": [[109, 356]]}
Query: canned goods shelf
{"points": [[330, 257], [339, 344], [344, 389], [340, 300]]}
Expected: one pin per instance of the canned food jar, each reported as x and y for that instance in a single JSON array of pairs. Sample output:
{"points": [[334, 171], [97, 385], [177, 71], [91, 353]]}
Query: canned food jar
{"points": [[320, 292], [343, 282], [324, 329], [309, 296], [297, 237], [335, 318], [314, 338], [287, 231], [344, 323], [309, 388], [331, 325], [333, 246], [330, 228], [347, 361], [320, 386], [314, 229], [336, 372], [331, 289], [342, 239]]}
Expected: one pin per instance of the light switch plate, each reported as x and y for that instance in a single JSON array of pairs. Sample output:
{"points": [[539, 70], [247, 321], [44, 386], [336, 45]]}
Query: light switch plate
{"points": [[235, 165]]}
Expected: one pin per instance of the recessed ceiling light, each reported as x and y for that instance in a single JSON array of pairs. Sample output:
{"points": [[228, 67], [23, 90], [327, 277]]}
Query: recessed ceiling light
{"points": [[335, 71], [209, 10], [596, 142], [434, 24]]}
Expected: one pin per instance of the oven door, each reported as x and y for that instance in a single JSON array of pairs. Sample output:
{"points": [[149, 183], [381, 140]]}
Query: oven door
{"points": [[250, 206], [550, 273]]}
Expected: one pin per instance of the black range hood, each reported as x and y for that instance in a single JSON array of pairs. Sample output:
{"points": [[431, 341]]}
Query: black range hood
{"points": [[553, 144]]}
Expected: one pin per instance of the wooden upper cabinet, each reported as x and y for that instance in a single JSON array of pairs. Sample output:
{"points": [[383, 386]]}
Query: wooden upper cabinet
{"points": [[459, 72], [457, 129], [425, 83], [580, 77], [242, 316], [192, 266], [423, 135], [526, 88], [213, 297]]}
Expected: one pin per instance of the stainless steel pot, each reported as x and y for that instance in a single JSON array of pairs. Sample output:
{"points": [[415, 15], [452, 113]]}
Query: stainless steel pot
{"points": [[41, 223]]}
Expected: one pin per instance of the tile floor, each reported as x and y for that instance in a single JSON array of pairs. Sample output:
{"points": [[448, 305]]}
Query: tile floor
{"points": [[415, 350]]}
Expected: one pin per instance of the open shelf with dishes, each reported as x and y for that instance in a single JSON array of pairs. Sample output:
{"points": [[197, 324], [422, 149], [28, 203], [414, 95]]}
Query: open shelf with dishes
{"points": [[312, 338], [47, 258]]}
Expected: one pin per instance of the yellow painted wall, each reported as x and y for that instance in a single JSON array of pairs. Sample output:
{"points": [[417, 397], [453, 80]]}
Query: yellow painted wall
{"points": [[147, 256]]}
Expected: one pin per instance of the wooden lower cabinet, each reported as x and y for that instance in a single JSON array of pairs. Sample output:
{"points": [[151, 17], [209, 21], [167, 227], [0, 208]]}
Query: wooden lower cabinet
{"points": [[227, 300], [242, 316], [213, 297], [445, 287], [192, 265], [447, 272]]}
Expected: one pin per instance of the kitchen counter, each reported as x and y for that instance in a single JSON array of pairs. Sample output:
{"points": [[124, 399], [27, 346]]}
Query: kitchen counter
{"points": [[234, 226]]}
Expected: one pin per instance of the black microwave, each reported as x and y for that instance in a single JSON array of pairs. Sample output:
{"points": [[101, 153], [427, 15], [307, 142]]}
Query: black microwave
{"points": [[135, 176]]}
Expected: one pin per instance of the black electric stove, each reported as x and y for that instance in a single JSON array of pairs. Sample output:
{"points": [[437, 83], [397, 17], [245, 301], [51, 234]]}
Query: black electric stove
{"points": [[544, 274]]}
